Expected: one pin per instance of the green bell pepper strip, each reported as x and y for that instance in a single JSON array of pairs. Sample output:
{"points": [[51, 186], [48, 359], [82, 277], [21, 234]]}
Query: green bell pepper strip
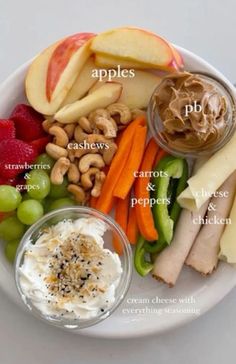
{"points": [[160, 244], [182, 184], [165, 220], [142, 266]]}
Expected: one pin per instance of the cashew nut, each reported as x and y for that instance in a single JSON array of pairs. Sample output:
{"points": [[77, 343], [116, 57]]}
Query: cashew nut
{"points": [[109, 153], [85, 124], [122, 111], [55, 151], [59, 170], [48, 123], [96, 138], [137, 112], [88, 177], [78, 193], [98, 113], [89, 160], [73, 173], [80, 152], [79, 134], [69, 129], [71, 154], [99, 180], [60, 136], [108, 126], [94, 115]]}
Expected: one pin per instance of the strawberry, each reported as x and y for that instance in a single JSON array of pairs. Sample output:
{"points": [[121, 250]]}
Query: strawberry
{"points": [[4, 181], [7, 129], [28, 123], [13, 153], [18, 180], [40, 144]]}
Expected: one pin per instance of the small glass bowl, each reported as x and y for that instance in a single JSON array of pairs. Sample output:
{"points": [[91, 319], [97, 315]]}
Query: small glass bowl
{"points": [[156, 125], [113, 229]]}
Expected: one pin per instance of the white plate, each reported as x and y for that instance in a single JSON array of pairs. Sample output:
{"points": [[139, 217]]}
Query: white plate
{"points": [[150, 317]]}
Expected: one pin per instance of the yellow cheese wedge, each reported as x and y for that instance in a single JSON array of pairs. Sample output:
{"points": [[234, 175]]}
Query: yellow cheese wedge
{"points": [[209, 177]]}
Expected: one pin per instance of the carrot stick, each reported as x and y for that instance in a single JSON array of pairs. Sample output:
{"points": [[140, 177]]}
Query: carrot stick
{"points": [[127, 177], [105, 200], [161, 154], [144, 215], [93, 202], [132, 227], [121, 217]]}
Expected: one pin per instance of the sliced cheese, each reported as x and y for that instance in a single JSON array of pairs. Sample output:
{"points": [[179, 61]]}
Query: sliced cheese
{"points": [[209, 177], [228, 241]]}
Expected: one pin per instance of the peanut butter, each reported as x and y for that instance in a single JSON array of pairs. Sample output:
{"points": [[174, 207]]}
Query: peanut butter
{"points": [[192, 111]]}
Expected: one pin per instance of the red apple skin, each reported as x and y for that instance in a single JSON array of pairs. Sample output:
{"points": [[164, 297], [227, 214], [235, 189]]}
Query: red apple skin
{"points": [[177, 62], [178, 58], [60, 58]]}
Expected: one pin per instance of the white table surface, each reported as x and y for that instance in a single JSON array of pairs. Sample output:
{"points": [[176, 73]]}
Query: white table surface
{"points": [[207, 27]]}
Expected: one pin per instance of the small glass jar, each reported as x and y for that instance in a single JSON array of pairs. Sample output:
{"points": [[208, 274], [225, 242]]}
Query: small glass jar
{"points": [[156, 124], [113, 230]]}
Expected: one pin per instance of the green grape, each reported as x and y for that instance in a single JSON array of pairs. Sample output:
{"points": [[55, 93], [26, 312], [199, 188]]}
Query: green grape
{"points": [[26, 196], [29, 211], [11, 229], [10, 249], [46, 162], [10, 198], [59, 191], [38, 184], [61, 202]]}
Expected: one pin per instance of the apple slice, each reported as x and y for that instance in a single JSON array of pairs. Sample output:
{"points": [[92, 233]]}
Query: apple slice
{"points": [[82, 84], [137, 45], [178, 58], [137, 91], [105, 95], [37, 76], [63, 64], [105, 61]]}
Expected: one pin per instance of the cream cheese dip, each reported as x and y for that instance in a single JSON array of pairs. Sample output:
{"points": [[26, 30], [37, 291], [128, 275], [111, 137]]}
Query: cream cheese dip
{"points": [[67, 272]]}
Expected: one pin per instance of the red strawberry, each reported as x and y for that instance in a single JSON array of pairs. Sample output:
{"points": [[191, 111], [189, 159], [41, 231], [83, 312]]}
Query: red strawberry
{"points": [[7, 129], [4, 181], [13, 153], [28, 123], [40, 144], [18, 180]]}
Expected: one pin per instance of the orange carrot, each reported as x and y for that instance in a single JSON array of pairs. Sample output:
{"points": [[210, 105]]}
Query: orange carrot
{"points": [[144, 215], [161, 154], [105, 200], [127, 177], [132, 226], [121, 217], [119, 137], [93, 202]]}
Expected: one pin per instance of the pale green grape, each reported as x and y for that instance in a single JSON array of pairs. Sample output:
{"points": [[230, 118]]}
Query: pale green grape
{"points": [[10, 249], [11, 229], [46, 162], [61, 202], [10, 198], [39, 184], [26, 196], [58, 191], [29, 211]]}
